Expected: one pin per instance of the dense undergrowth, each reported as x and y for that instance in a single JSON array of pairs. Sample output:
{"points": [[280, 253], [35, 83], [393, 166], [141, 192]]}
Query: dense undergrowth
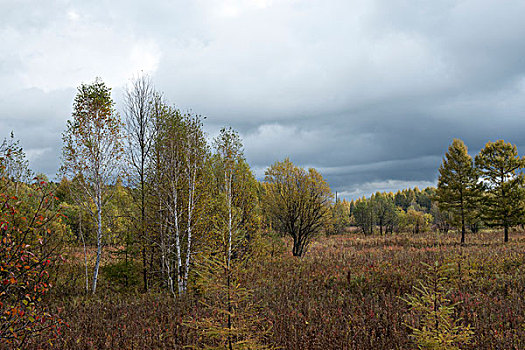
{"points": [[346, 293]]}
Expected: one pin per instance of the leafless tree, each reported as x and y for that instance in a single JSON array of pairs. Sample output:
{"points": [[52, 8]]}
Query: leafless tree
{"points": [[140, 107]]}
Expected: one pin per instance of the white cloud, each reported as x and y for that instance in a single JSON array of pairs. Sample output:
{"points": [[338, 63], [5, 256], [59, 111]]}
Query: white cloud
{"points": [[73, 15], [68, 50]]}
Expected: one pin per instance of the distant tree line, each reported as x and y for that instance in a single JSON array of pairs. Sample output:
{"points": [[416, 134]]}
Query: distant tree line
{"points": [[487, 191], [407, 210]]}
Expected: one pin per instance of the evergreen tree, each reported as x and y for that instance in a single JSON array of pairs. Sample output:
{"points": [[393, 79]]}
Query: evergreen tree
{"points": [[340, 217], [442, 219], [384, 208], [500, 167], [424, 198], [365, 215], [458, 189]]}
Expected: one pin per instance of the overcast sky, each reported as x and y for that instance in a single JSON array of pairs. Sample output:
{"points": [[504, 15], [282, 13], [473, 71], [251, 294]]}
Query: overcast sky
{"points": [[371, 93]]}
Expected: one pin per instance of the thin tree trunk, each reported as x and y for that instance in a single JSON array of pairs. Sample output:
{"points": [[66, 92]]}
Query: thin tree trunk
{"points": [[229, 184], [462, 229], [229, 217], [143, 227], [85, 253], [99, 241], [230, 347], [462, 218], [503, 195], [177, 244], [162, 254], [191, 201], [295, 248], [169, 273], [144, 269]]}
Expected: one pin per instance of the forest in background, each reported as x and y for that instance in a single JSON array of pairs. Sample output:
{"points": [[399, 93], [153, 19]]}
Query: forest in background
{"points": [[149, 212]]}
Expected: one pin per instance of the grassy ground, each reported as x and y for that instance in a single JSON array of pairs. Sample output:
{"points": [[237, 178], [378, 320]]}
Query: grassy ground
{"points": [[344, 294]]}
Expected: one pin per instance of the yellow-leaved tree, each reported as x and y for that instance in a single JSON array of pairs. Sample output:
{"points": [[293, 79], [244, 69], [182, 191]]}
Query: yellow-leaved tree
{"points": [[297, 202], [92, 154]]}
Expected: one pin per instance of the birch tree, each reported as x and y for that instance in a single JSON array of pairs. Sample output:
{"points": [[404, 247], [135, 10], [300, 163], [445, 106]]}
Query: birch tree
{"points": [[92, 151], [167, 174], [15, 165], [181, 153], [229, 149], [195, 153]]}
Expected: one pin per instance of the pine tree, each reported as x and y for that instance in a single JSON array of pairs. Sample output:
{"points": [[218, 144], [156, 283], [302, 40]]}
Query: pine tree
{"points": [[500, 167], [458, 189]]}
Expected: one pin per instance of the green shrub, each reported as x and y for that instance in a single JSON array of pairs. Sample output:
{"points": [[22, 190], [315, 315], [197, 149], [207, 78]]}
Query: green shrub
{"points": [[122, 273]]}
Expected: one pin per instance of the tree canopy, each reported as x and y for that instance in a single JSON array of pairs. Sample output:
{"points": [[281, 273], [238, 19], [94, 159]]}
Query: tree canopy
{"points": [[458, 190], [297, 202], [500, 167]]}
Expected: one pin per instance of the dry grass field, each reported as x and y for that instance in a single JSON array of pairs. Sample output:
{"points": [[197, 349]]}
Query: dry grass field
{"points": [[346, 293]]}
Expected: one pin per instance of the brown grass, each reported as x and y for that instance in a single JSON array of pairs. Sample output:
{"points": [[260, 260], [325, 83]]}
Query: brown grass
{"points": [[344, 294]]}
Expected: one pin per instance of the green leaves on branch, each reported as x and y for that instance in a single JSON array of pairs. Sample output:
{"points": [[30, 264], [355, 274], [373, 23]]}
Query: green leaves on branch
{"points": [[92, 154], [296, 201], [490, 187], [500, 168], [458, 191]]}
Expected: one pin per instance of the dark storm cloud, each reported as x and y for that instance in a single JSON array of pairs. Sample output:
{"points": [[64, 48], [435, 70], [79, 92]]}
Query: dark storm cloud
{"points": [[369, 92]]}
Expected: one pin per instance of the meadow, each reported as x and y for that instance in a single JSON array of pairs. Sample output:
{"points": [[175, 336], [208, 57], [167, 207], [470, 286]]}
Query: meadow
{"points": [[157, 237], [346, 293]]}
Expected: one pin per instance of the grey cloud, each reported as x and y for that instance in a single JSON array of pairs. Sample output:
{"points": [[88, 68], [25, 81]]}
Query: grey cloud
{"points": [[370, 93], [38, 120]]}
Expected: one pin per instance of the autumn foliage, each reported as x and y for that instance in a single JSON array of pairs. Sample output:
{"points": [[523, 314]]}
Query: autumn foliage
{"points": [[189, 250], [27, 256]]}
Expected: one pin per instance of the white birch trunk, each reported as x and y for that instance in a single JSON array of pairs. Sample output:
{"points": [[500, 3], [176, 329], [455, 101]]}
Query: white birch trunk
{"points": [[85, 254], [180, 282], [229, 188], [169, 273], [99, 239], [191, 206]]}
